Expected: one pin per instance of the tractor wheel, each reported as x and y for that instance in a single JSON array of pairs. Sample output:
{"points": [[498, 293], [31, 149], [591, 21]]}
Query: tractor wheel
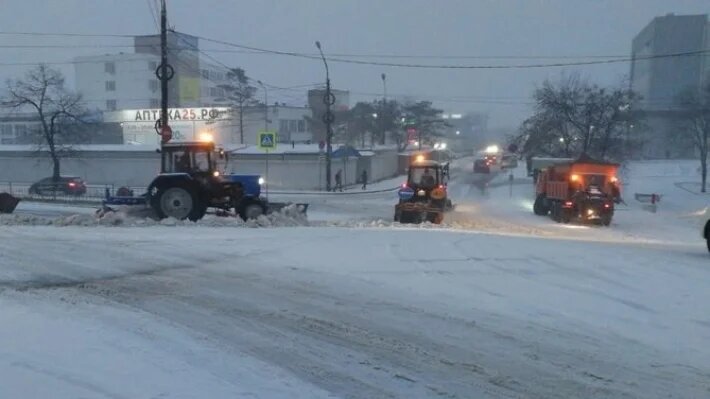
{"points": [[437, 218], [605, 220], [539, 207], [251, 210], [180, 203]]}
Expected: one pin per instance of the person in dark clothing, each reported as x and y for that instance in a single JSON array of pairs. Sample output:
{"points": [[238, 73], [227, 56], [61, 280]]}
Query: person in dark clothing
{"points": [[338, 181], [363, 177]]}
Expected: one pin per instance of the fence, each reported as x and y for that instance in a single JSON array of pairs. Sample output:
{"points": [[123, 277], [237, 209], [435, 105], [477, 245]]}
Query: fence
{"points": [[95, 193]]}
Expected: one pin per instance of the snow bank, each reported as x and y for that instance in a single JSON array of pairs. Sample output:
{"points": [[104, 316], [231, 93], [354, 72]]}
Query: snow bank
{"points": [[131, 217]]}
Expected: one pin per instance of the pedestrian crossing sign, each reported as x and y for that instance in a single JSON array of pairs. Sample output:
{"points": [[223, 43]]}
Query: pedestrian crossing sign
{"points": [[267, 140]]}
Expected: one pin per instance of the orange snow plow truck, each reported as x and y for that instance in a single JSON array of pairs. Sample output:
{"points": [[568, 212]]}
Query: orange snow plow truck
{"points": [[584, 190]]}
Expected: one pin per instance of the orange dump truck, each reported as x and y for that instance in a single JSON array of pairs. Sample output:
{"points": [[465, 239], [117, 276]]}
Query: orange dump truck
{"points": [[584, 190]]}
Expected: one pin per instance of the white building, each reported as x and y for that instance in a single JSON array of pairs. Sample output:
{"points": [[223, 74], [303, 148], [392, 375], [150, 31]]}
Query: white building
{"points": [[118, 81], [112, 82], [18, 127], [221, 123]]}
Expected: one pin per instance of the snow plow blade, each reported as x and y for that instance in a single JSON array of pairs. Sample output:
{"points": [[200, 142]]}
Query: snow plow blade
{"points": [[417, 213], [278, 206], [8, 203]]}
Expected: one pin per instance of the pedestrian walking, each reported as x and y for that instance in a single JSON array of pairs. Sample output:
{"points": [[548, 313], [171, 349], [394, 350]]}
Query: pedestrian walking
{"points": [[338, 181], [363, 177]]}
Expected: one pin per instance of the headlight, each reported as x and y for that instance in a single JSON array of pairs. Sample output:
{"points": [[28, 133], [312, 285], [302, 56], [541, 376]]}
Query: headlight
{"points": [[261, 181], [421, 193], [590, 212]]}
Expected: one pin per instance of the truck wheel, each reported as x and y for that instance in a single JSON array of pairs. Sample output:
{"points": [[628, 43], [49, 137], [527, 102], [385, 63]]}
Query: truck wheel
{"points": [[251, 210], [555, 212], [565, 216], [539, 207], [179, 203]]}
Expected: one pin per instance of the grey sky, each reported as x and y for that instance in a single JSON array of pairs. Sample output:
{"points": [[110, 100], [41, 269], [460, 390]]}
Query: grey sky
{"points": [[419, 27]]}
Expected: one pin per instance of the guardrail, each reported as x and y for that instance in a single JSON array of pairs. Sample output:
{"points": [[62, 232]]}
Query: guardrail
{"points": [[95, 193]]}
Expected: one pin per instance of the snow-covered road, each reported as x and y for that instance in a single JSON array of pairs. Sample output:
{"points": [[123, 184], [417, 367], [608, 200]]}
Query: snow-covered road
{"points": [[497, 303], [313, 312]]}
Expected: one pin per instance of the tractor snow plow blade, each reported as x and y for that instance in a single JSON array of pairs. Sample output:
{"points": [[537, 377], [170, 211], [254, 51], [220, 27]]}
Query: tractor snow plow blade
{"points": [[8, 203], [416, 214], [278, 206]]}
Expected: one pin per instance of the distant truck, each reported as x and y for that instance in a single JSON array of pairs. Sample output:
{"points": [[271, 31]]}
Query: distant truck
{"points": [[583, 190]]}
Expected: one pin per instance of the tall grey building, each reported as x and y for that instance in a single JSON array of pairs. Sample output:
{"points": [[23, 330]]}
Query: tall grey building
{"points": [[659, 78]]}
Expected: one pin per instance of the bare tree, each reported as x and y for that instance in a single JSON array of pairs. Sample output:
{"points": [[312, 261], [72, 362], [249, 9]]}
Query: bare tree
{"points": [[240, 93], [585, 118], [58, 110], [694, 110]]}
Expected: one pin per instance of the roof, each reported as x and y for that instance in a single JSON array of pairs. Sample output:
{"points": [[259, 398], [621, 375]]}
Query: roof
{"points": [[426, 163], [345, 152]]}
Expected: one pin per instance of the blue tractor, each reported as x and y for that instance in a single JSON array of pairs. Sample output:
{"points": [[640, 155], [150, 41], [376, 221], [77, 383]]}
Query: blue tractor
{"points": [[190, 182]]}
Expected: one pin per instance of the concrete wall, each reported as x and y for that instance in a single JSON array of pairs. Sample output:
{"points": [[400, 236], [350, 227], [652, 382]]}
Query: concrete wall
{"points": [[137, 168]]}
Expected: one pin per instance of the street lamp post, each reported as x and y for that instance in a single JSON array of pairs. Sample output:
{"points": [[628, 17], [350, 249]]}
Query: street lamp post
{"points": [[328, 119], [266, 128]]}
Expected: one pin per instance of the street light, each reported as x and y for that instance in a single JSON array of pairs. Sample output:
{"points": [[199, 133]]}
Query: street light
{"points": [[328, 119]]}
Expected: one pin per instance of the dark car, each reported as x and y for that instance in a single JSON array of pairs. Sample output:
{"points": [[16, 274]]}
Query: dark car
{"points": [[65, 185], [481, 166]]}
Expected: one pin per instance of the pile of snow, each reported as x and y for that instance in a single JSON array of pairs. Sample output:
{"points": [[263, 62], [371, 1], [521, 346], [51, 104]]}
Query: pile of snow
{"points": [[289, 216]]}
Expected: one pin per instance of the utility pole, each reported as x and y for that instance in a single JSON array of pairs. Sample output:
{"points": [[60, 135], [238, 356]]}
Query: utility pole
{"points": [[164, 73], [328, 119], [385, 110]]}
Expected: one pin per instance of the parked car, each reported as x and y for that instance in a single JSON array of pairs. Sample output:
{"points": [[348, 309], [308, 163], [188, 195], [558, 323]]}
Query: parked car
{"points": [[65, 185]]}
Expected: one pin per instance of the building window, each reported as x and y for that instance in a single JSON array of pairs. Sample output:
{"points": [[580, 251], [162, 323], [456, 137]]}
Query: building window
{"points": [[205, 74], [6, 131], [111, 105], [283, 126], [213, 92], [20, 130], [155, 103], [110, 67], [153, 85], [301, 126], [152, 65], [110, 85], [293, 126]]}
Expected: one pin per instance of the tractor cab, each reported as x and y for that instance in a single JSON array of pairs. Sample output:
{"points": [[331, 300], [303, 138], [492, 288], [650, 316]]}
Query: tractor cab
{"points": [[427, 175], [194, 158]]}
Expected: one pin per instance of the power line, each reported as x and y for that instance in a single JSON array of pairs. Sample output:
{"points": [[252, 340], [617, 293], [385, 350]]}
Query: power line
{"points": [[153, 12], [337, 59]]}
